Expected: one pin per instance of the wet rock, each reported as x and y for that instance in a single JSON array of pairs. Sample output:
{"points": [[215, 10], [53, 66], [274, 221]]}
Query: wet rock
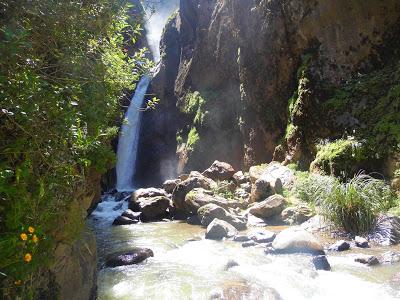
{"points": [[122, 196], [241, 238], [130, 257], [154, 208], [270, 250], [193, 220], [262, 236], [209, 212], [249, 244], [218, 229], [199, 197], [296, 214], [219, 171], [144, 193], [340, 246], [170, 185], [297, 240], [369, 260], [230, 264], [131, 214], [240, 178], [361, 242], [390, 257], [320, 262], [386, 231], [124, 221], [270, 207], [195, 180]]}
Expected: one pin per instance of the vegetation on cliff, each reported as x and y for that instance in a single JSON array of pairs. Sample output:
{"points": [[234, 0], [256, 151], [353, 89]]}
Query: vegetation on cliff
{"points": [[63, 70]]}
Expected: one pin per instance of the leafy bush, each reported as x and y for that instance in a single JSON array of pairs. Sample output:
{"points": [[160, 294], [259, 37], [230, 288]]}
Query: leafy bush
{"points": [[63, 71]]}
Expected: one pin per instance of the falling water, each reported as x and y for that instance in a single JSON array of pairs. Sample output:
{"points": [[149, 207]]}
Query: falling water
{"points": [[129, 138]]}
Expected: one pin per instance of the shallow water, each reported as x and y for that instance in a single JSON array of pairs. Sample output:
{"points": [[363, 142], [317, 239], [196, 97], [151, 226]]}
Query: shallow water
{"points": [[183, 269]]}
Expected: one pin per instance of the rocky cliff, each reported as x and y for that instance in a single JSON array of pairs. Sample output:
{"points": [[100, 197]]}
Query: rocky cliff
{"points": [[248, 81]]}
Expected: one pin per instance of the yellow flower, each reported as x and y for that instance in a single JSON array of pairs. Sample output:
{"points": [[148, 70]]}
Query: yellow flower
{"points": [[18, 282], [35, 239], [27, 257], [23, 236], [31, 229]]}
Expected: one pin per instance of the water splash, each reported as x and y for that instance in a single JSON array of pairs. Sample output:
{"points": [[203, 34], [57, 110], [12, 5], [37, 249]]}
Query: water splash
{"points": [[129, 139]]}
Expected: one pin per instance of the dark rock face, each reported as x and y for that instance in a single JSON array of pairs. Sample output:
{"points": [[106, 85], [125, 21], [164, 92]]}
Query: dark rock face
{"points": [[320, 262], [242, 57], [130, 257]]}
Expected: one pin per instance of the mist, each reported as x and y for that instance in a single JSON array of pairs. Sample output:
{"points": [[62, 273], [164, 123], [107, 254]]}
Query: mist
{"points": [[158, 12]]}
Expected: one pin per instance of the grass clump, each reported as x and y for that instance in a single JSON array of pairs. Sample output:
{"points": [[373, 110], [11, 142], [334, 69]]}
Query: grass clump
{"points": [[352, 206]]}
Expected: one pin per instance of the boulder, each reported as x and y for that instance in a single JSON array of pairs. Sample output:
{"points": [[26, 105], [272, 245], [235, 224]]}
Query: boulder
{"points": [[246, 187], [386, 231], [320, 262], [242, 194], [131, 214], [121, 220], [270, 207], [199, 197], [170, 185], [340, 246], [249, 244], [144, 193], [361, 242], [240, 178], [277, 170], [365, 259], [296, 214], [230, 264], [390, 257], [193, 220], [218, 229], [297, 240], [219, 171], [155, 208], [262, 236], [255, 172], [195, 180], [265, 186], [241, 238], [130, 257], [209, 212]]}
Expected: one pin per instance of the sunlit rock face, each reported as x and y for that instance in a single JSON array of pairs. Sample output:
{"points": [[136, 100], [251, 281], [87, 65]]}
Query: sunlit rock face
{"points": [[243, 58]]}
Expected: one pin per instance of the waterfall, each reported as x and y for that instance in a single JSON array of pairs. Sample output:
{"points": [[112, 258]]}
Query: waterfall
{"points": [[129, 138]]}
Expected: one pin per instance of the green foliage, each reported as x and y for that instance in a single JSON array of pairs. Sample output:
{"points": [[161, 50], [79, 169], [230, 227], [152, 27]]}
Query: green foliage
{"points": [[195, 105], [373, 100], [63, 70], [340, 157], [223, 189], [354, 206], [193, 139]]}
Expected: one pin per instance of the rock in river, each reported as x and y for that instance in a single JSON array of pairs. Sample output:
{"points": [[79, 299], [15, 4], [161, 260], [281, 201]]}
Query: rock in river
{"points": [[320, 262], [340, 246], [130, 257], [209, 212], [219, 229], [297, 240], [270, 207]]}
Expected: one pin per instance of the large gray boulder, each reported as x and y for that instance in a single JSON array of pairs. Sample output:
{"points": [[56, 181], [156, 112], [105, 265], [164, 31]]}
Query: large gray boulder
{"points": [[219, 171], [144, 193], [155, 208], [170, 185], [195, 180], [130, 257], [200, 197], [270, 207], [218, 229], [209, 212], [264, 187], [297, 240], [276, 170]]}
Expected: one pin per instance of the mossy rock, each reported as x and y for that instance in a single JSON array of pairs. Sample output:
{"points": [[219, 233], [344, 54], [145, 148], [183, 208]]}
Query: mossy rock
{"points": [[342, 158]]}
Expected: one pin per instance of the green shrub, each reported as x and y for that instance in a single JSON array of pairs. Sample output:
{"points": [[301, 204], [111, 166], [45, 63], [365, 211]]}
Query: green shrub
{"points": [[355, 205], [193, 139]]}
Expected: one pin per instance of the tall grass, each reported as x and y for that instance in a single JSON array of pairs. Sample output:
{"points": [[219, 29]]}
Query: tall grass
{"points": [[353, 206]]}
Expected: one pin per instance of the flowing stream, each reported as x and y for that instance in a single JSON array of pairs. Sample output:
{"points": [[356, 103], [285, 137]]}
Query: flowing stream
{"points": [[129, 138], [187, 266]]}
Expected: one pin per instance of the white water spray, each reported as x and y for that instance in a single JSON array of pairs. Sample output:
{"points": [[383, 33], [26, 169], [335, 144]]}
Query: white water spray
{"points": [[129, 138]]}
